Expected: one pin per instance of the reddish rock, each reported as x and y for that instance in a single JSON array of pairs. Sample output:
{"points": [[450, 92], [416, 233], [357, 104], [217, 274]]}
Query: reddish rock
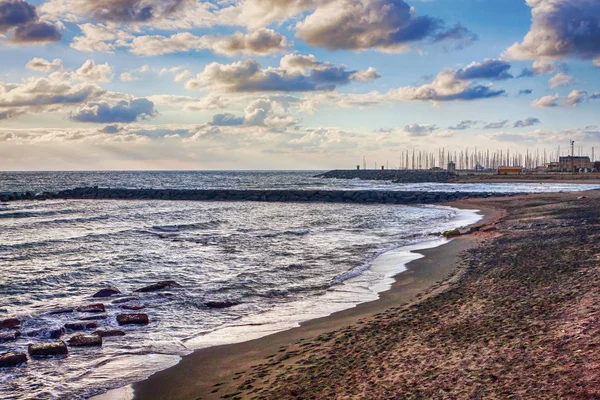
{"points": [[12, 359], [48, 349], [11, 323], [92, 308], [133, 319], [133, 307], [81, 340], [9, 336], [489, 228], [80, 326], [107, 292], [109, 333], [159, 286]]}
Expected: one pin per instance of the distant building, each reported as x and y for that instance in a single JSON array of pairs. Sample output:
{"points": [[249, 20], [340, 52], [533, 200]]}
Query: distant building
{"points": [[451, 166], [575, 164], [510, 170]]}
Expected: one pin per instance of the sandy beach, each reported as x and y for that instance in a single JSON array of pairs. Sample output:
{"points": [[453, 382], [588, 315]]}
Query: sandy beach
{"points": [[216, 371]]}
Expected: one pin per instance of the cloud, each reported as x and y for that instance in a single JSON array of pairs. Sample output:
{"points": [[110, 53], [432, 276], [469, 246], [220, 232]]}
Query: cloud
{"points": [[526, 122], [496, 125], [124, 111], [43, 65], [14, 13], [488, 69], [546, 101], [561, 29], [560, 80], [260, 42], [128, 77], [190, 103], [100, 38], [385, 25], [92, 72], [463, 125], [416, 130], [227, 119], [21, 18], [296, 73], [575, 98], [525, 91], [540, 67]]}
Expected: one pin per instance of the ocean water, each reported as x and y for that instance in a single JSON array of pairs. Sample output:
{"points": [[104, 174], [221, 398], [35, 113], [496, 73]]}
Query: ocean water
{"points": [[280, 263], [297, 180]]}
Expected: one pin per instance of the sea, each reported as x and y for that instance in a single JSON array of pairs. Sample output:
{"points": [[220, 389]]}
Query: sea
{"points": [[275, 264]]}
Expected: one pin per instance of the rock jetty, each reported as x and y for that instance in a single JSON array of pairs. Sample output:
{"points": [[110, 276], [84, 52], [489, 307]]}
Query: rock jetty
{"points": [[302, 196], [397, 176]]}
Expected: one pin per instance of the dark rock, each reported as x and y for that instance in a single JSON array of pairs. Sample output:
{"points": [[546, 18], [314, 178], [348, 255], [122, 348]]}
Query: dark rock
{"points": [[92, 308], [158, 286], [108, 333], [53, 333], [48, 349], [80, 326], [107, 292], [81, 340], [132, 307], [133, 319], [12, 359], [9, 336], [221, 304], [452, 233], [10, 323]]}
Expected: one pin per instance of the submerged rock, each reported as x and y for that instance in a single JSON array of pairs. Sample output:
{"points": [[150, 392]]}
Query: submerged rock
{"points": [[221, 304], [107, 292], [9, 336], [65, 310], [92, 308], [48, 349], [81, 340], [12, 359], [95, 317], [10, 323], [108, 333], [158, 286], [133, 319], [133, 307], [80, 326], [124, 300], [52, 333]]}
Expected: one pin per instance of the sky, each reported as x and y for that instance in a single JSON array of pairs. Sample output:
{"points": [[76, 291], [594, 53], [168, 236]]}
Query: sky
{"points": [[291, 84]]}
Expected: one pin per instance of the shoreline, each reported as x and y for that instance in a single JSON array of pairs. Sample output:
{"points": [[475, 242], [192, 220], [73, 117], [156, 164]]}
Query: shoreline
{"points": [[198, 373]]}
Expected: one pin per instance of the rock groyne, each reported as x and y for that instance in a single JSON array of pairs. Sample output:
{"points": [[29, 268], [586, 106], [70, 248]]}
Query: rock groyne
{"points": [[397, 176], [303, 196]]}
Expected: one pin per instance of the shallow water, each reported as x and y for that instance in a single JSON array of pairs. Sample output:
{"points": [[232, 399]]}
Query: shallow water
{"points": [[282, 263]]}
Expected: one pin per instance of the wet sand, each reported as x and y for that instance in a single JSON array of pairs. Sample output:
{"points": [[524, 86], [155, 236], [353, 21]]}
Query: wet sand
{"points": [[213, 372]]}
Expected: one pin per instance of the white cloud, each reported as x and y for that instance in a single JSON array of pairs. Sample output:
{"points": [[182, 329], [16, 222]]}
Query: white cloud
{"points": [[560, 79], [546, 101], [43, 65]]}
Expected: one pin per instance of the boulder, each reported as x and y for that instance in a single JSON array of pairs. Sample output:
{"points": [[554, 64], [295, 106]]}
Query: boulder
{"points": [[81, 340], [9, 336], [133, 307], [107, 292], [80, 326], [10, 323], [221, 304], [48, 349], [92, 308], [133, 319], [452, 233], [108, 333], [158, 286], [12, 359]]}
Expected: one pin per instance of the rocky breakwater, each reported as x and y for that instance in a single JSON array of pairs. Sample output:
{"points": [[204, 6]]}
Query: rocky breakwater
{"points": [[397, 176], [313, 196]]}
